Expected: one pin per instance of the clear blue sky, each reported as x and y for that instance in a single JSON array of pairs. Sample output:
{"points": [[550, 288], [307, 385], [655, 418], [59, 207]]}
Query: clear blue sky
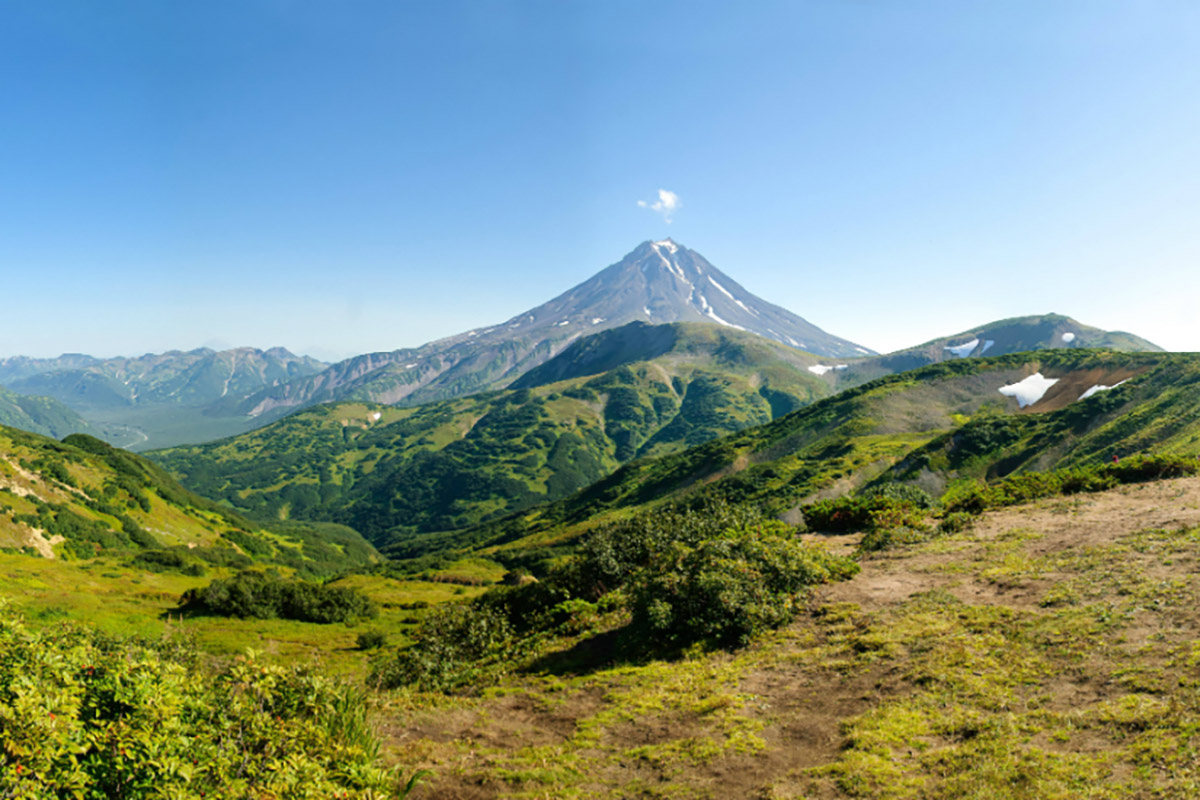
{"points": [[339, 177]]}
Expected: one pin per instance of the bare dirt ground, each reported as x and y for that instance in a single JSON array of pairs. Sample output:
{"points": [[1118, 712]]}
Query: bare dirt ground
{"points": [[750, 724]]}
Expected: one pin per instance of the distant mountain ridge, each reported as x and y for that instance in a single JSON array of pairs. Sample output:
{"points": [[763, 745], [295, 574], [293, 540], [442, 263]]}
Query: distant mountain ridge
{"points": [[658, 282], [195, 377], [156, 399], [999, 338]]}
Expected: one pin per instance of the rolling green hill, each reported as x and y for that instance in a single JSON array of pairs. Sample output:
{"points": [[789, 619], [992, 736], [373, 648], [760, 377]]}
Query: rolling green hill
{"points": [[38, 414], [928, 427], [391, 472], [81, 498]]}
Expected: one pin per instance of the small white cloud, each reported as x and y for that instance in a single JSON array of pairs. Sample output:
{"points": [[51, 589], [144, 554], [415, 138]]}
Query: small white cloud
{"points": [[667, 204]]}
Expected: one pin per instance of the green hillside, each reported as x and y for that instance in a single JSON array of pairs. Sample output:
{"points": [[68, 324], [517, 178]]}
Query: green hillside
{"points": [[392, 472], [81, 498], [928, 427], [38, 414]]}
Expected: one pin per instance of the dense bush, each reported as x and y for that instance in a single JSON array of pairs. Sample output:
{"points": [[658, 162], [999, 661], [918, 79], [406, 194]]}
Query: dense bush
{"points": [[83, 716], [860, 513], [453, 645], [371, 640], [167, 561], [257, 594], [613, 552], [727, 589]]}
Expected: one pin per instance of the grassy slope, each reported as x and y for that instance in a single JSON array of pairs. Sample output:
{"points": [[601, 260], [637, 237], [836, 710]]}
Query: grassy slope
{"points": [[38, 414], [87, 499], [391, 472], [92, 575], [927, 426], [1049, 652]]}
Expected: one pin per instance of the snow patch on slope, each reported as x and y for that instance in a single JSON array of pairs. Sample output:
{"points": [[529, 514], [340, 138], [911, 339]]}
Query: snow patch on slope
{"points": [[1029, 390], [1100, 387], [821, 369], [962, 350], [1068, 337]]}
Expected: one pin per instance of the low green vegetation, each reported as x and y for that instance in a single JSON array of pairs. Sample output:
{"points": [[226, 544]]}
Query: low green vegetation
{"points": [[91, 716]]}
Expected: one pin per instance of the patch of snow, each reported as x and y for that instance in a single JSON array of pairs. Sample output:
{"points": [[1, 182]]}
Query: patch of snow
{"points": [[987, 343], [409, 366], [1099, 387], [1068, 337], [721, 288], [714, 316], [597, 320], [472, 333], [841, 366], [962, 350], [1029, 390], [646, 309], [821, 369], [727, 293], [564, 322], [375, 416], [866, 352], [793, 342], [670, 265], [667, 243]]}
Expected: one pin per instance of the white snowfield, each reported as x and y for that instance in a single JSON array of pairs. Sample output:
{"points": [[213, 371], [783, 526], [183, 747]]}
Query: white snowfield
{"points": [[987, 343], [1100, 387], [821, 369], [1068, 337], [962, 350], [1030, 390]]}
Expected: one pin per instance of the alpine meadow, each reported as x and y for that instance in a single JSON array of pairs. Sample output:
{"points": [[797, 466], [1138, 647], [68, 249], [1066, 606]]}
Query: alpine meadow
{"points": [[297, 503]]}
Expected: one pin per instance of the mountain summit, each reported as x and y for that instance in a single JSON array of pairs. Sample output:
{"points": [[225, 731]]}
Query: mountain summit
{"points": [[659, 282], [662, 282]]}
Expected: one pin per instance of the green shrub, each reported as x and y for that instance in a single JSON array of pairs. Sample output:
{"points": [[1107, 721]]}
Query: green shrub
{"points": [[371, 640], [455, 645], [725, 590], [257, 594], [86, 716], [859, 513], [167, 561], [902, 492]]}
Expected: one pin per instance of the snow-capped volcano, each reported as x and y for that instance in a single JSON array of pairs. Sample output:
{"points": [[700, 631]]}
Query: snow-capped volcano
{"points": [[659, 282], [662, 282]]}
